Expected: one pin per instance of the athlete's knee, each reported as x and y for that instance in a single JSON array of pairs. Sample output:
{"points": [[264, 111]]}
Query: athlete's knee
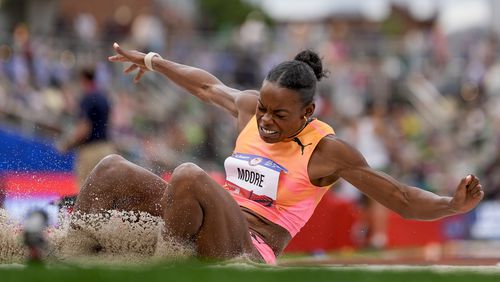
{"points": [[111, 166], [103, 183], [187, 174], [187, 170], [110, 160]]}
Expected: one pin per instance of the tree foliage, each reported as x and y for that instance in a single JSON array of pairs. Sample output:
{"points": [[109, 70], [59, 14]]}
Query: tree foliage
{"points": [[217, 14]]}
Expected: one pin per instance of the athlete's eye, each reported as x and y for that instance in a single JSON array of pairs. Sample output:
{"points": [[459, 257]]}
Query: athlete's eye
{"points": [[261, 109]]}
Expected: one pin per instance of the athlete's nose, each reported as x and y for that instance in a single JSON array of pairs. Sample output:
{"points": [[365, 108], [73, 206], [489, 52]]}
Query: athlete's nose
{"points": [[266, 118]]}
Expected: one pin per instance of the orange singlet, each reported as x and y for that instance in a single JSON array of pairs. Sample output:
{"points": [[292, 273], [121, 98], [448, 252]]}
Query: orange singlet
{"points": [[272, 179]]}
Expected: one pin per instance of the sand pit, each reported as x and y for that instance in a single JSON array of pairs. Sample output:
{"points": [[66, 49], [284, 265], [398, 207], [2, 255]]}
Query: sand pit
{"points": [[106, 238]]}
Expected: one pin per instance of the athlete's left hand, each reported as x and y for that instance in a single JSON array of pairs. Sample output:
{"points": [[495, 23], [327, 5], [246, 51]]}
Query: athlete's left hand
{"points": [[468, 194]]}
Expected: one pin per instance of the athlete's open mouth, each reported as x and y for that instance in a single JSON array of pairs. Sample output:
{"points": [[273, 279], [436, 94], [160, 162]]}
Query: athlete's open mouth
{"points": [[267, 131]]}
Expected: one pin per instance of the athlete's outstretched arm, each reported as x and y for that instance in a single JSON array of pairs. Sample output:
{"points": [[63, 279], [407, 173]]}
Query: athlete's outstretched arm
{"points": [[196, 81], [409, 202]]}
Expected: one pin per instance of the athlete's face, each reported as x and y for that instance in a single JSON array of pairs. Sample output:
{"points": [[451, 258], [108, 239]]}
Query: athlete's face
{"points": [[280, 113]]}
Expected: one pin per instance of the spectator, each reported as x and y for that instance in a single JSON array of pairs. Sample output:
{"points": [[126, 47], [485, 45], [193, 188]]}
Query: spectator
{"points": [[91, 132]]}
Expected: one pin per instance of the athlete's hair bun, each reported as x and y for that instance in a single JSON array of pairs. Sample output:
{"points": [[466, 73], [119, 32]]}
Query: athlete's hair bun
{"points": [[313, 60]]}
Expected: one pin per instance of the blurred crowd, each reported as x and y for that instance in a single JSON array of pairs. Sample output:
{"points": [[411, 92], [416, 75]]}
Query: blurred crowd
{"points": [[420, 105]]}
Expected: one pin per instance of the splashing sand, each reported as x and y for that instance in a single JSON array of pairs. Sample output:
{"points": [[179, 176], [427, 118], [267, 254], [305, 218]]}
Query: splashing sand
{"points": [[11, 247], [107, 238]]}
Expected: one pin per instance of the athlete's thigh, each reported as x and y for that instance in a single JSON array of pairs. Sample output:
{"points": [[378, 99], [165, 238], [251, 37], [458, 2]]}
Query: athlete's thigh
{"points": [[116, 183], [223, 230], [141, 190], [226, 229]]}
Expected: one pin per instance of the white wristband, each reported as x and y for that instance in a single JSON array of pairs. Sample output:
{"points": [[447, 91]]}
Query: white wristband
{"points": [[148, 60]]}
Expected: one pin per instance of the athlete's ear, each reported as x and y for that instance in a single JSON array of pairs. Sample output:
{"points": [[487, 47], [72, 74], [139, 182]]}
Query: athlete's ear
{"points": [[309, 110]]}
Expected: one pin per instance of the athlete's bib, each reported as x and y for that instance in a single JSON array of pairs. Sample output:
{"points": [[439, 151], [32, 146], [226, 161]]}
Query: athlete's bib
{"points": [[253, 176]]}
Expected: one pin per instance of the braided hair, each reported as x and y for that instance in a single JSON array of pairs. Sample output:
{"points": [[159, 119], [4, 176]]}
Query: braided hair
{"points": [[299, 74]]}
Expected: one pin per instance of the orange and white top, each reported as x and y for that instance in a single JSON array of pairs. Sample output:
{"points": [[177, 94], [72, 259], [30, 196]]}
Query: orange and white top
{"points": [[271, 179]]}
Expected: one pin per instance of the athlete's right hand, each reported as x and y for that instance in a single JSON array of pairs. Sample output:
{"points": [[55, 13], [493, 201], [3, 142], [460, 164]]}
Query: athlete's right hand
{"points": [[132, 56]]}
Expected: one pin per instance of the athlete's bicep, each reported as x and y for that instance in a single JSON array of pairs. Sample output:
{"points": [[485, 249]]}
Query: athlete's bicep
{"points": [[222, 96], [348, 163], [352, 167], [339, 155]]}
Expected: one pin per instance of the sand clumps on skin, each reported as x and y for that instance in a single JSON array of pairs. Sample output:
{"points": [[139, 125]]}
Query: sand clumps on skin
{"points": [[106, 238]]}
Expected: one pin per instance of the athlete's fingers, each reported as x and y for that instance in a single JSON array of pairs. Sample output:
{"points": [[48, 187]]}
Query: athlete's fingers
{"points": [[122, 55], [114, 58], [473, 191], [130, 69], [476, 189], [479, 195], [117, 48], [117, 58], [466, 180], [139, 75], [464, 183], [473, 182]]}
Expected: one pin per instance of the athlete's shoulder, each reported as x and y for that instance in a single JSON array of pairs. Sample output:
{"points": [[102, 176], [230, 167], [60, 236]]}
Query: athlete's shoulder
{"points": [[246, 101], [246, 105], [322, 127], [248, 96], [336, 150]]}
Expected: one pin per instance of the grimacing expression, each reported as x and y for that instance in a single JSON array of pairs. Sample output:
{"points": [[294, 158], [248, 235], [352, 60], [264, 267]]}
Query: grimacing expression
{"points": [[280, 113]]}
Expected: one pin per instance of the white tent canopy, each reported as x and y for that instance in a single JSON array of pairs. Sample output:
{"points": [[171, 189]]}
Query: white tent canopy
{"points": [[453, 15]]}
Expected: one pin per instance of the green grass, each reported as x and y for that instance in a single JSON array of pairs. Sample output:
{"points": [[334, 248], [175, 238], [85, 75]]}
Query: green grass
{"points": [[196, 271]]}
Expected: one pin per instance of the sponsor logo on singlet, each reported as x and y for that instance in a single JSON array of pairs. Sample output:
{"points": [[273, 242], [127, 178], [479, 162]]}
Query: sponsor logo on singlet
{"points": [[255, 161], [254, 177]]}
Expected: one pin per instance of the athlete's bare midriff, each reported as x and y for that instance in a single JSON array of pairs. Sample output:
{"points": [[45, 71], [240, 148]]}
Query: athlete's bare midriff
{"points": [[274, 235]]}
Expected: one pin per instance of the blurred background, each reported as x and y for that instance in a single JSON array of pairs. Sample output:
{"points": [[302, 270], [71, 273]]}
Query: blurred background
{"points": [[414, 85]]}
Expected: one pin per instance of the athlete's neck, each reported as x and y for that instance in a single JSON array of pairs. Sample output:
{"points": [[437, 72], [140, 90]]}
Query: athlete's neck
{"points": [[308, 120]]}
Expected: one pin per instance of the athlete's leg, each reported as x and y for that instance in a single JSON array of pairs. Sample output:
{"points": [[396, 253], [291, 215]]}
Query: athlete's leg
{"points": [[194, 207], [118, 184], [114, 184], [199, 210]]}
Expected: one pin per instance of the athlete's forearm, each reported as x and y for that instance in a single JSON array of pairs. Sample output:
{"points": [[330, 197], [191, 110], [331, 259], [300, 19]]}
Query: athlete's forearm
{"points": [[409, 202], [198, 82], [425, 205]]}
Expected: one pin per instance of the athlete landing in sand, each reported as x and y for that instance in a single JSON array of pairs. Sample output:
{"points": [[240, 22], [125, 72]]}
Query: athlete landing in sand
{"points": [[296, 157]]}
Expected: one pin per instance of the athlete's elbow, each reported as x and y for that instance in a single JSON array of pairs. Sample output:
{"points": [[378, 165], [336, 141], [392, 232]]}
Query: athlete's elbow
{"points": [[202, 92]]}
